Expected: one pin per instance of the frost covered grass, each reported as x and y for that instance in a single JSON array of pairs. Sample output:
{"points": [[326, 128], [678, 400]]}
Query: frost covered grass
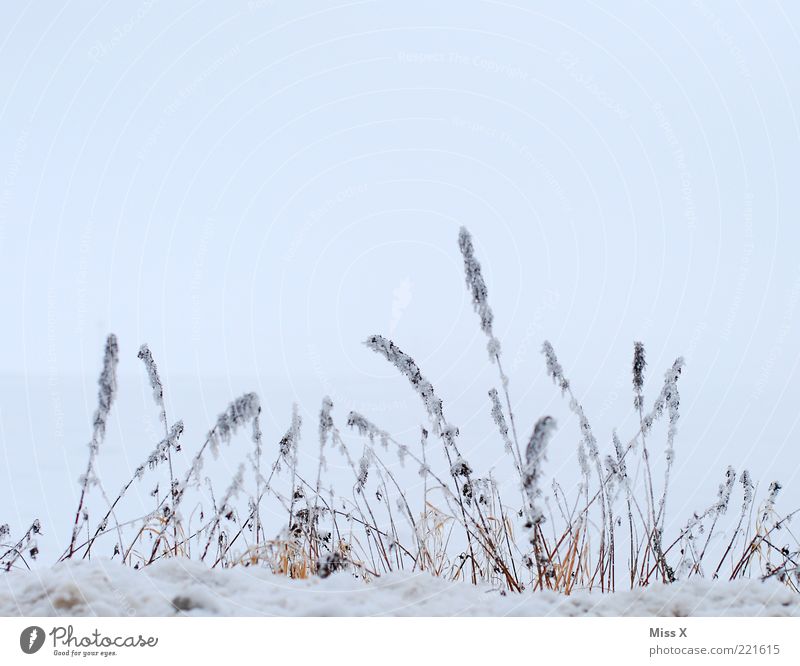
{"points": [[604, 530]]}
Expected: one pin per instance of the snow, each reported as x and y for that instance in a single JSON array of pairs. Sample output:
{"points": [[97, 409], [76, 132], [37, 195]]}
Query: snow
{"points": [[105, 588]]}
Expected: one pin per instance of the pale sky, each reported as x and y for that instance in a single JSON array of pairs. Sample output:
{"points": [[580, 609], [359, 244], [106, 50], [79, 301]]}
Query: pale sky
{"points": [[254, 188]]}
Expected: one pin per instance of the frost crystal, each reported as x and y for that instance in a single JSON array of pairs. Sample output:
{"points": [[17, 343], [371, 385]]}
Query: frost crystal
{"points": [[669, 400], [583, 461], [366, 427], [406, 365], [155, 381], [500, 419], [325, 421], [363, 470], [612, 467], [724, 493], [639, 364], [747, 487], [289, 442], [233, 490], [534, 457], [460, 467], [159, 454], [242, 410], [622, 468], [769, 503], [107, 391], [402, 452], [477, 287], [554, 368], [586, 429]]}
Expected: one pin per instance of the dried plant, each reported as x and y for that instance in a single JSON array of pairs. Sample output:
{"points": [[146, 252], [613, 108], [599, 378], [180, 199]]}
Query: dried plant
{"points": [[20, 550], [430, 509], [107, 390]]}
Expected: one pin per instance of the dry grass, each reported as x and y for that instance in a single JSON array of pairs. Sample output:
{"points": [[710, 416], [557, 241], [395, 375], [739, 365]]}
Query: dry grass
{"points": [[606, 531]]}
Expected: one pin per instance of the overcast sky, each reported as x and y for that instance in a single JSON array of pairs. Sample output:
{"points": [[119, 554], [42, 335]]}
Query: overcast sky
{"points": [[254, 188]]}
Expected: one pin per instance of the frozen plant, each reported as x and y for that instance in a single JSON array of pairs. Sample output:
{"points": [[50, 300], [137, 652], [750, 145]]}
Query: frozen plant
{"points": [[107, 391], [409, 368], [535, 454], [155, 381], [366, 427], [241, 411], [500, 420], [639, 364], [477, 287]]}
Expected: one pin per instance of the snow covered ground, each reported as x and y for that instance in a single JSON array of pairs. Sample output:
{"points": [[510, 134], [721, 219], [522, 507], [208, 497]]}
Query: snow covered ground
{"points": [[179, 586]]}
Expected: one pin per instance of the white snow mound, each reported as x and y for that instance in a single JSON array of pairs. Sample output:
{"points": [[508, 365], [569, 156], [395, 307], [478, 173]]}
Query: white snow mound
{"points": [[175, 587]]}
